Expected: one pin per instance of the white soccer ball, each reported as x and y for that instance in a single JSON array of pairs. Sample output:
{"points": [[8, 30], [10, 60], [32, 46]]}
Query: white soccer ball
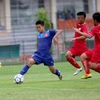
{"points": [[18, 79]]}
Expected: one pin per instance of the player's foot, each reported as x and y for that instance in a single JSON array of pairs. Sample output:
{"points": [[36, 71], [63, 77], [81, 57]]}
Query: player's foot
{"points": [[86, 76], [77, 71], [60, 77]]}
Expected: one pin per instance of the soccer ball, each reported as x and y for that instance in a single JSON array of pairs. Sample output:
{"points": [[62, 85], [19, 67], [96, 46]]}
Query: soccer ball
{"points": [[18, 79]]}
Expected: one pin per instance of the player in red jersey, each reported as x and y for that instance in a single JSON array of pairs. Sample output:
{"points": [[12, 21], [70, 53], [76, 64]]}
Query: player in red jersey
{"points": [[79, 42], [91, 58]]}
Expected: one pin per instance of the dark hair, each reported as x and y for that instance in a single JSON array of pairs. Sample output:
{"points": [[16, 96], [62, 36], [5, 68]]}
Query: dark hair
{"points": [[96, 16], [82, 13], [40, 22]]}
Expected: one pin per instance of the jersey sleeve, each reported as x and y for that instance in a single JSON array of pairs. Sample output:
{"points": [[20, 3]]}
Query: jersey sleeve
{"points": [[52, 33]]}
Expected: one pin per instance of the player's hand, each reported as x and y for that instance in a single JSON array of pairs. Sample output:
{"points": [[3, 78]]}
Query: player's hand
{"points": [[55, 41], [76, 30]]}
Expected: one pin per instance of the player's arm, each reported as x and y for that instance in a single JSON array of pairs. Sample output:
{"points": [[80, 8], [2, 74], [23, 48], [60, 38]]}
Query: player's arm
{"points": [[77, 38], [58, 32], [82, 33], [85, 30], [80, 37]]}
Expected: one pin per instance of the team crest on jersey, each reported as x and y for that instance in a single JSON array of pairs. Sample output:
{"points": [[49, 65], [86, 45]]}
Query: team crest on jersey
{"points": [[79, 28], [46, 35]]}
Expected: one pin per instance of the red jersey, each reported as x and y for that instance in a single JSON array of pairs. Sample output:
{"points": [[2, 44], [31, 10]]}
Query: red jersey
{"points": [[96, 33], [79, 46], [82, 28]]}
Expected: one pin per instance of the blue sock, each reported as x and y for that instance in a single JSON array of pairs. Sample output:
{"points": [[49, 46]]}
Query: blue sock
{"points": [[57, 72], [24, 70]]}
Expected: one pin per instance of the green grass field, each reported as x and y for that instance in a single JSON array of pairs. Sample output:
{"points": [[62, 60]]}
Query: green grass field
{"points": [[40, 84]]}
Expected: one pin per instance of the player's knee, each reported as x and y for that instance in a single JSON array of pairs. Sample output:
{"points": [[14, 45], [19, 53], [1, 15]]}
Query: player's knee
{"points": [[31, 62], [68, 55], [83, 57], [93, 66]]}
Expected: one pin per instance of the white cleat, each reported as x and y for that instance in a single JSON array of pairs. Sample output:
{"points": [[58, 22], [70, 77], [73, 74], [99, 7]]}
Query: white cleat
{"points": [[60, 77], [77, 71]]}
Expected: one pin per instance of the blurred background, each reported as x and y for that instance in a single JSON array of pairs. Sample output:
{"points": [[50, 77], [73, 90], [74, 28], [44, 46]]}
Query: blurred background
{"points": [[18, 35]]}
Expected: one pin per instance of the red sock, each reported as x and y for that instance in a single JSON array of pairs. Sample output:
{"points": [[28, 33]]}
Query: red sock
{"points": [[98, 68], [86, 66], [73, 62]]}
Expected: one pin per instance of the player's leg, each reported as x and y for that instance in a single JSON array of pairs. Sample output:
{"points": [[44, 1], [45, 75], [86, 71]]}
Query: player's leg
{"points": [[95, 67], [36, 59], [50, 63], [85, 63], [95, 61], [55, 71], [85, 59], [27, 66], [72, 61]]}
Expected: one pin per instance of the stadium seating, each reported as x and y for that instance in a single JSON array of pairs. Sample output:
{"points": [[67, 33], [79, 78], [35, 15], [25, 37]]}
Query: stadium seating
{"points": [[69, 24]]}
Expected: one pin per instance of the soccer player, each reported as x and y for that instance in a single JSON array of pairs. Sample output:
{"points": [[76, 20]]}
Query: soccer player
{"points": [[91, 58], [42, 55], [79, 45]]}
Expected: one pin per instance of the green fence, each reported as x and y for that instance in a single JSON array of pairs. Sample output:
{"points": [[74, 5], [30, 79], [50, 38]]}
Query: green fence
{"points": [[9, 51]]}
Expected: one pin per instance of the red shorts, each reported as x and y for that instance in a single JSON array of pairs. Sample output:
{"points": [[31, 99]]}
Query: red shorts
{"points": [[77, 51], [93, 56]]}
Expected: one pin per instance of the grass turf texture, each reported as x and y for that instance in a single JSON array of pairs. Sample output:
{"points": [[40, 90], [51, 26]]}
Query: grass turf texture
{"points": [[40, 84]]}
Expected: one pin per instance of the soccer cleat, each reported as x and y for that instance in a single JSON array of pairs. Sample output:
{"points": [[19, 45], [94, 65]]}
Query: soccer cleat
{"points": [[60, 77], [77, 71], [86, 76], [89, 75]]}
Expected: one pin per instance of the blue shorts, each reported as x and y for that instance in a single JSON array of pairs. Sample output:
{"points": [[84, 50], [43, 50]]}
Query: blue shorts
{"points": [[43, 58]]}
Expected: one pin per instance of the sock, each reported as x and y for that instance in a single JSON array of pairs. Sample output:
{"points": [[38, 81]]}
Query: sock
{"points": [[73, 62], [57, 72], [86, 66], [98, 68], [24, 70]]}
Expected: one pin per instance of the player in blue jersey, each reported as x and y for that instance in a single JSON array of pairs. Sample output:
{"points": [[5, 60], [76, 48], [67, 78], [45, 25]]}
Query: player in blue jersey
{"points": [[42, 55]]}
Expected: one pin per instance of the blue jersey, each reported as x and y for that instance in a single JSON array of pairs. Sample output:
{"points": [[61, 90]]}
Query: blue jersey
{"points": [[42, 55], [45, 41]]}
